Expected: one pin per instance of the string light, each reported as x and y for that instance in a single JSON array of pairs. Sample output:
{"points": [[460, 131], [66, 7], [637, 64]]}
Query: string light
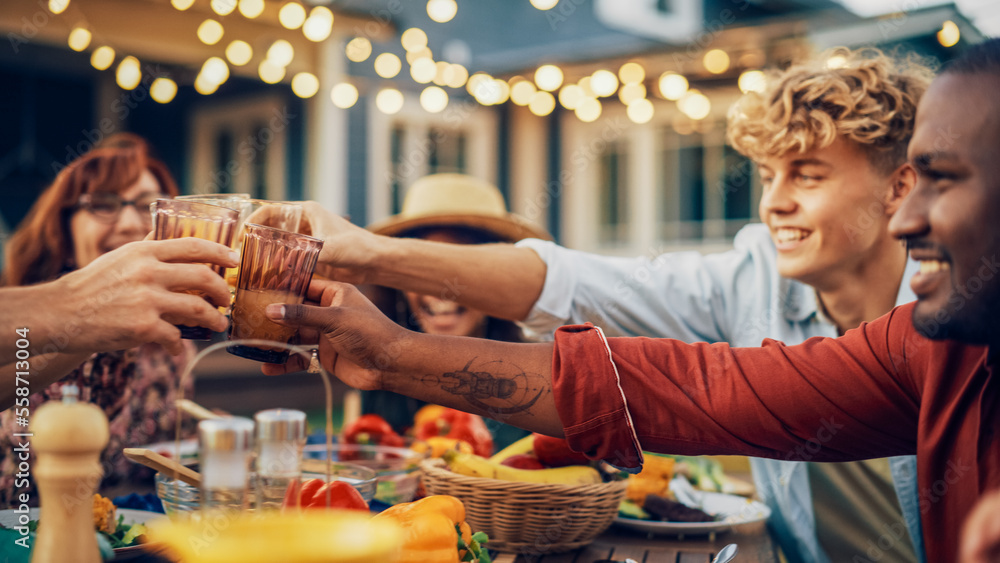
{"points": [[631, 73], [548, 78], [163, 90], [570, 96], [440, 68], [58, 6], [305, 84], [344, 95], [423, 70], [358, 49], [251, 8], [239, 52], [632, 92], [586, 84], [589, 110], [270, 72], [387, 65], [181, 4], [128, 74], [223, 7], [389, 101], [215, 70], [752, 81], [544, 4], [603, 83], [413, 39], [716, 61], [522, 92], [673, 86], [210, 32], [695, 105], [442, 11], [433, 99], [459, 75], [292, 15], [949, 34], [475, 81], [102, 57], [542, 104], [281, 53], [79, 39], [204, 86], [640, 111], [319, 24]]}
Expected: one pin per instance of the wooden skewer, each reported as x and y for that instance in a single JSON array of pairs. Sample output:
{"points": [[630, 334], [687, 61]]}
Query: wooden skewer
{"points": [[167, 466], [196, 410]]}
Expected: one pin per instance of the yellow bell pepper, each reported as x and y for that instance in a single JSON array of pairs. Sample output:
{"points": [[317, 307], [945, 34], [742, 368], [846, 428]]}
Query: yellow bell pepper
{"points": [[438, 445], [429, 528]]}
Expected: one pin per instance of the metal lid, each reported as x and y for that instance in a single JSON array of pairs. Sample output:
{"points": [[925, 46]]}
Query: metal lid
{"points": [[227, 434], [280, 424]]}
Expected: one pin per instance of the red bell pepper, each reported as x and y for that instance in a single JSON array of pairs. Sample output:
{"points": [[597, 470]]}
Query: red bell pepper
{"points": [[312, 494], [459, 425], [371, 429], [555, 452]]}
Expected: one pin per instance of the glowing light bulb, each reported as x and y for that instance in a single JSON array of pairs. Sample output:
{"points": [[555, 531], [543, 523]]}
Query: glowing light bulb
{"points": [[716, 61], [413, 39], [631, 73], [542, 104], [181, 4], [204, 86], [251, 8], [548, 78], [640, 111], [358, 49], [695, 105], [292, 15], [102, 57], [440, 68], [570, 96], [305, 84], [387, 65], [319, 24], [163, 90], [673, 86], [215, 70], [223, 7], [389, 101], [603, 83], [79, 39], [239, 52], [58, 6], [752, 81], [128, 74], [949, 34], [522, 92], [344, 95], [433, 99], [281, 53], [544, 4], [442, 11], [588, 110], [270, 72], [210, 32], [631, 92], [423, 70], [459, 75]]}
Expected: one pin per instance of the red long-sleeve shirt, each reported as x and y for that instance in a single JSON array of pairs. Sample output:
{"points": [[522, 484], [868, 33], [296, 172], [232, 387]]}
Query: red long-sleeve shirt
{"points": [[880, 390]]}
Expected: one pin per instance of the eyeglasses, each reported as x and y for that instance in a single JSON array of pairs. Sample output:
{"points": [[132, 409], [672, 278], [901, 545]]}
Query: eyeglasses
{"points": [[107, 206]]}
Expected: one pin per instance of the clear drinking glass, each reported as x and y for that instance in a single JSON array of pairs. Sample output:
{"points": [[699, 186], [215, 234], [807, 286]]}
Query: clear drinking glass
{"points": [[177, 219], [276, 267], [240, 202]]}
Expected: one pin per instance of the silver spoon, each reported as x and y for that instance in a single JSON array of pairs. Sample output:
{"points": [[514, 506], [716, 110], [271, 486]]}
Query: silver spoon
{"points": [[726, 554]]}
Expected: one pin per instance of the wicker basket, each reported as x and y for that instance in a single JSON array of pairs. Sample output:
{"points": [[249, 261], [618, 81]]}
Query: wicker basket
{"points": [[528, 518]]}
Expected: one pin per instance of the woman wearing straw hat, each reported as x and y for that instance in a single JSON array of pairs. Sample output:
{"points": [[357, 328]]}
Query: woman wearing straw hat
{"points": [[454, 209]]}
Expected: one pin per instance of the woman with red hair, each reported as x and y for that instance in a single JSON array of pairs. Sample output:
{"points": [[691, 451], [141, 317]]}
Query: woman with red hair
{"points": [[97, 204]]}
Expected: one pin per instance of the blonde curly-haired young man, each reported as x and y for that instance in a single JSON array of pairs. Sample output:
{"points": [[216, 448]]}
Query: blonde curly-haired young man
{"points": [[830, 146]]}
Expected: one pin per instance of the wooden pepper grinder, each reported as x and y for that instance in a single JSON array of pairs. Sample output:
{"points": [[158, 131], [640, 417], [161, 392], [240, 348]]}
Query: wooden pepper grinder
{"points": [[69, 437]]}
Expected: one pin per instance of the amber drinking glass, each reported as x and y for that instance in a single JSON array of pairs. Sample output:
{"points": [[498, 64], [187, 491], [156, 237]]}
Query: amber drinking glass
{"points": [[276, 267], [177, 219]]}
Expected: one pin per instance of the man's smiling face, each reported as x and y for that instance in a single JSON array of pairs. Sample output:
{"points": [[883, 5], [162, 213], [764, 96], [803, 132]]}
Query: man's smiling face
{"points": [[951, 219]]}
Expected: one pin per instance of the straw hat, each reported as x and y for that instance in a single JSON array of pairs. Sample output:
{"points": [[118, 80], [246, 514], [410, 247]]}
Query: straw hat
{"points": [[458, 200]]}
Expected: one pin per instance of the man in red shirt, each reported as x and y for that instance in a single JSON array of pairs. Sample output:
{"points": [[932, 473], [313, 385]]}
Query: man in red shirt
{"points": [[923, 375]]}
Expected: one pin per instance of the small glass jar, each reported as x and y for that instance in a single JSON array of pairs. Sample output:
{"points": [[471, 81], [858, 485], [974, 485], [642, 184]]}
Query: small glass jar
{"points": [[226, 445], [281, 435]]}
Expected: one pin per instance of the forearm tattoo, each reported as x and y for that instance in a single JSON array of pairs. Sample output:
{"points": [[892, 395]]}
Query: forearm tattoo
{"points": [[500, 389]]}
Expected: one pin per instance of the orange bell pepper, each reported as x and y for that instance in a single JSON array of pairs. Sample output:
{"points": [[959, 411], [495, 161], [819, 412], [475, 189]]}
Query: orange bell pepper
{"points": [[456, 424], [429, 527]]}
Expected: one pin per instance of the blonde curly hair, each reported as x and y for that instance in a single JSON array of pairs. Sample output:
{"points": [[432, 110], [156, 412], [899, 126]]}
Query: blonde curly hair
{"points": [[867, 97]]}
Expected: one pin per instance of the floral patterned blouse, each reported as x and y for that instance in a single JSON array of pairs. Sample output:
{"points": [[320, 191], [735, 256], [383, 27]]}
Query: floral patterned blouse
{"points": [[136, 388]]}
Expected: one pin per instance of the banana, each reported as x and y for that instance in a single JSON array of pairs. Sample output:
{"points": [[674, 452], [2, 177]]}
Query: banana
{"points": [[522, 446], [476, 466]]}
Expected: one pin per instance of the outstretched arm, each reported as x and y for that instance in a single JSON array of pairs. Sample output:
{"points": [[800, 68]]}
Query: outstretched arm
{"points": [[129, 296], [500, 280]]}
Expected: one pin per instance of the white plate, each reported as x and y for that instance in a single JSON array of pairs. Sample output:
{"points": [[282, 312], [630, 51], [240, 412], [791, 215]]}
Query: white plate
{"points": [[736, 511]]}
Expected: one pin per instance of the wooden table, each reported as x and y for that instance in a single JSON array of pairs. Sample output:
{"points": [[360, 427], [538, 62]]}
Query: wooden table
{"points": [[755, 545]]}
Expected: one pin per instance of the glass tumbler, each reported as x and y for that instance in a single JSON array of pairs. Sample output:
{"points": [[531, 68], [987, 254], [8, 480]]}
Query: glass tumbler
{"points": [[276, 267], [177, 219]]}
